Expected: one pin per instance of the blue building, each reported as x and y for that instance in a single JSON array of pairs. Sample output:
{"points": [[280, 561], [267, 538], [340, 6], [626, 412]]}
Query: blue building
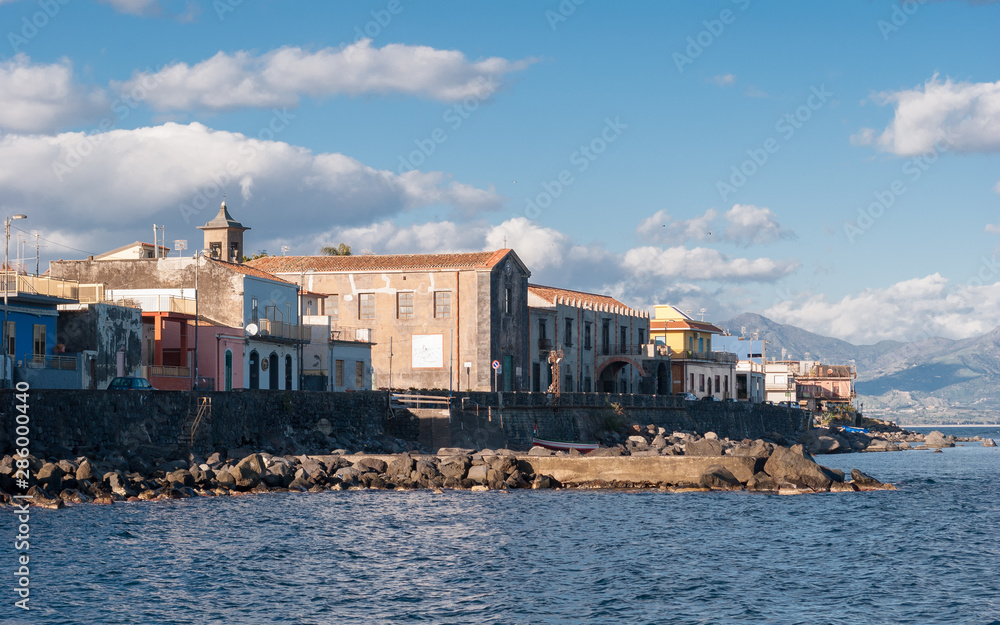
{"points": [[30, 333]]}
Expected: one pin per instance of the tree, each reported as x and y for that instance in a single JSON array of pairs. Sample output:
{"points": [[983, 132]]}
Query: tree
{"points": [[260, 254], [341, 250]]}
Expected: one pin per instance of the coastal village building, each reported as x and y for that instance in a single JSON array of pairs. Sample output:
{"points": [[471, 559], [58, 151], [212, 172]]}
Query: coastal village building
{"points": [[435, 321], [334, 359], [135, 250], [232, 299], [779, 381], [601, 344], [696, 368], [750, 353]]}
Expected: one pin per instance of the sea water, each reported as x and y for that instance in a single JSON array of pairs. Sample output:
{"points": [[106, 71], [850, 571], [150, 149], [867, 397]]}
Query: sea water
{"points": [[926, 553]]}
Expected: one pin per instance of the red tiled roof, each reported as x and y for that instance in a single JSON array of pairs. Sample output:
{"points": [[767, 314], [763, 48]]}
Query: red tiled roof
{"points": [[250, 271], [550, 293], [379, 262], [683, 324]]}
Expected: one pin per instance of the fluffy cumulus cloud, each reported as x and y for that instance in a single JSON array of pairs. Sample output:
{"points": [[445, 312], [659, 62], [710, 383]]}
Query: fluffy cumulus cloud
{"points": [[41, 97], [177, 174], [748, 225], [281, 77], [960, 116], [911, 310], [703, 264], [743, 224]]}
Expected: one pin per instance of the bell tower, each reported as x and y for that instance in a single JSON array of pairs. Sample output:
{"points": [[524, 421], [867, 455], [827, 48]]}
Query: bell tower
{"points": [[224, 237]]}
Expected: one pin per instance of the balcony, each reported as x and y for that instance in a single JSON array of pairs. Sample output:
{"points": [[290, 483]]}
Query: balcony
{"points": [[163, 303], [721, 357], [357, 335], [545, 345], [20, 284], [281, 330], [56, 361]]}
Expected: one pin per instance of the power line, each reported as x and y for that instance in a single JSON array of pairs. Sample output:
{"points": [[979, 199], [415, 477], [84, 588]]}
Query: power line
{"points": [[53, 242]]}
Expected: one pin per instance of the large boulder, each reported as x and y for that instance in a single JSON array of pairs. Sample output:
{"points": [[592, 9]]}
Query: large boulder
{"points": [[478, 473], [371, 465], [863, 480], [989, 442], [794, 467], [182, 477], [753, 449], [400, 465], [50, 477], [761, 482], [248, 472], [454, 466], [704, 447], [718, 477], [937, 439]]}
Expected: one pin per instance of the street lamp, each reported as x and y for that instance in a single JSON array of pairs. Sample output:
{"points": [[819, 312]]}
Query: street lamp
{"points": [[6, 288]]}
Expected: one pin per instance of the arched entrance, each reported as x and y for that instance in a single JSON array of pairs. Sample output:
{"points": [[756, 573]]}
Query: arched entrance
{"points": [[254, 369], [272, 371], [288, 373], [662, 379]]}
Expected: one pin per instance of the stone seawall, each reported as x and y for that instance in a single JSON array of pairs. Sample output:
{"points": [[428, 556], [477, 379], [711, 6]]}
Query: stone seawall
{"points": [[91, 420], [87, 421], [590, 416]]}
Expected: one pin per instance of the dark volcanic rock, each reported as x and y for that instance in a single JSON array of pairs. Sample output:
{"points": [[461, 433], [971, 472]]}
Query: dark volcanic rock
{"points": [[761, 482], [703, 447], [864, 480], [792, 466], [718, 477]]}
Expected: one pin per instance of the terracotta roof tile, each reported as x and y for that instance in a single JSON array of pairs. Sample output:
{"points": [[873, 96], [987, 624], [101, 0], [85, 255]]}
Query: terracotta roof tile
{"points": [[379, 262], [550, 293], [250, 271]]}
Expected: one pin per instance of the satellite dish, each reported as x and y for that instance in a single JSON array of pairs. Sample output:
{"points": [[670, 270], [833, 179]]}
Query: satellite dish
{"points": [[252, 329]]}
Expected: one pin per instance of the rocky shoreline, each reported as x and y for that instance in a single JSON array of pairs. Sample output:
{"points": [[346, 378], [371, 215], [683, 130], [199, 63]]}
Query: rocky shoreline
{"points": [[770, 465]]}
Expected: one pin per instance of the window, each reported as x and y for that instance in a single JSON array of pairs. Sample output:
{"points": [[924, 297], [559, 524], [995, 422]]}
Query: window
{"points": [[38, 347], [586, 335], [215, 249], [642, 337], [568, 338], [541, 330], [701, 382], [404, 305], [442, 304], [339, 373], [10, 339], [606, 336], [691, 387], [717, 386], [701, 343], [726, 389], [536, 374], [568, 377], [333, 305], [366, 306], [254, 310], [624, 336], [506, 301], [359, 374], [587, 385]]}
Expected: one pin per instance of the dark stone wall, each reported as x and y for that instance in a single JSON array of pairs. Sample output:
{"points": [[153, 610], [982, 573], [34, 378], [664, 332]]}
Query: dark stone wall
{"points": [[480, 421], [87, 421]]}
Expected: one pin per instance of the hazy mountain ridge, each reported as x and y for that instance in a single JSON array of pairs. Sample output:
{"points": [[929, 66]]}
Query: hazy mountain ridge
{"points": [[936, 380]]}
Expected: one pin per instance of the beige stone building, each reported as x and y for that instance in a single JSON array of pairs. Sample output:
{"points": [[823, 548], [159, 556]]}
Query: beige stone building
{"points": [[436, 321]]}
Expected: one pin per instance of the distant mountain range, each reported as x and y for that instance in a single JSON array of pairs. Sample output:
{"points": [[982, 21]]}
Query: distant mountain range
{"points": [[937, 381]]}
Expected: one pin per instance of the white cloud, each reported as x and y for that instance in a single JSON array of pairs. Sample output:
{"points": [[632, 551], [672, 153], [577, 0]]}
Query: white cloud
{"points": [[703, 264], [907, 311], [966, 115], [664, 229], [281, 77], [744, 225], [993, 228], [722, 80], [996, 187], [176, 174], [747, 225], [37, 97], [183, 10]]}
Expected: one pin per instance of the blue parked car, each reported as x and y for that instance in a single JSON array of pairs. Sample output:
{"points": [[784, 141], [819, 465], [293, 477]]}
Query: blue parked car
{"points": [[130, 384]]}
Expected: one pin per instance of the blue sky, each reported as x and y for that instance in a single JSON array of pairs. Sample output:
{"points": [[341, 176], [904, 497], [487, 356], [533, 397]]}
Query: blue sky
{"points": [[827, 164]]}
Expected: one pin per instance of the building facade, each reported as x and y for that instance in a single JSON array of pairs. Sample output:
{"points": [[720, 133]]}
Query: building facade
{"points": [[435, 321], [601, 344], [696, 368]]}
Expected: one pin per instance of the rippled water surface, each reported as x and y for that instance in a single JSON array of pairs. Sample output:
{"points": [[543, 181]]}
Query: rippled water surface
{"points": [[927, 553]]}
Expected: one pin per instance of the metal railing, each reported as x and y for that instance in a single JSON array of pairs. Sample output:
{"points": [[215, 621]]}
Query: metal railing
{"points": [[168, 371], [725, 357], [280, 329], [55, 361], [163, 303], [360, 335], [40, 285]]}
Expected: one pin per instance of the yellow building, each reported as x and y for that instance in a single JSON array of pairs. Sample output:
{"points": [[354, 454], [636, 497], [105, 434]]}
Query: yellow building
{"points": [[695, 367]]}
